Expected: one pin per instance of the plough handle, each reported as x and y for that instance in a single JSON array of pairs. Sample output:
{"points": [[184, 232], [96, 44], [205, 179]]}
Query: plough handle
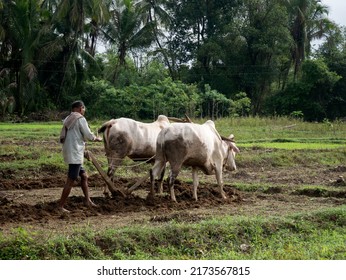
{"points": [[111, 187]]}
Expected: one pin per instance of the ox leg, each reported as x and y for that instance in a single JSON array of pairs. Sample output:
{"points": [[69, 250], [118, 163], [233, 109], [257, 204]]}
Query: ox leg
{"points": [[171, 186], [160, 181], [173, 174], [152, 181], [195, 182], [158, 168], [218, 173], [112, 167]]}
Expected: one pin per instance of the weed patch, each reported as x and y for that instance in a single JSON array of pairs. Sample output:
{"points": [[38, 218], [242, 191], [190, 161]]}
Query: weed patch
{"points": [[318, 191]]}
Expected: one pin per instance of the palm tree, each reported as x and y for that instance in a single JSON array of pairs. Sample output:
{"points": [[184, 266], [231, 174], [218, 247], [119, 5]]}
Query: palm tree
{"points": [[21, 30], [154, 12], [73, 19], [318, 25], [98, 13], [308, 22], [127, 31]]}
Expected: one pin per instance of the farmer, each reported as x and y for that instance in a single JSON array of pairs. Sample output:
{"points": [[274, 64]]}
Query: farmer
{"points": [[73, 134]]}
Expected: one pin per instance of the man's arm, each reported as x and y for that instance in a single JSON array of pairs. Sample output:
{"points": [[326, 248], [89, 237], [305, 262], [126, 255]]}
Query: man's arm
{"points": [[87, 134]]}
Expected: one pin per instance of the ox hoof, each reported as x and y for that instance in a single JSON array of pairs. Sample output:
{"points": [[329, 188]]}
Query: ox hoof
{"points": [[63, 210], [106, 195], [90, 204], [151, 193], [223, 195]]}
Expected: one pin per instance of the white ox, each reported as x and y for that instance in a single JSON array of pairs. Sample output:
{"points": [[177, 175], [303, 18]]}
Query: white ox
{"points": [[195, 145], [126, 137]]}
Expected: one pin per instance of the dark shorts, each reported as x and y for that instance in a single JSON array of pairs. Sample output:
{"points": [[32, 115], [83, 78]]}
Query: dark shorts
{"points": [[75, 170]]}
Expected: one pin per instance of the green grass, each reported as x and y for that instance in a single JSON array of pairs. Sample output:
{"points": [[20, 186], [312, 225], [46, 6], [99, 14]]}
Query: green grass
{"points": [[27, 146], [320, 191], [24, 145], [48, 131], [249, 129], [295, 146], [244, 129], [315, 235], [265, 188]]}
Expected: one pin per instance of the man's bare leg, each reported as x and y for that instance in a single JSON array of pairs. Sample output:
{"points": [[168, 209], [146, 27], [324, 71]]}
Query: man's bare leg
{"points": [[65, 193], [85, 189]]}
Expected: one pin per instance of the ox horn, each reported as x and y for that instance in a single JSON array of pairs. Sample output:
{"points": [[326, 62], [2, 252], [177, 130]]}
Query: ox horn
{"points": [[230, 138], [188, 119], [180, 120]]}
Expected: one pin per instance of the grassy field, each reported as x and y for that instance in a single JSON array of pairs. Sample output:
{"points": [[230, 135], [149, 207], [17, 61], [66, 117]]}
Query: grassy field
{"points": [[304, 236], [265, 134], [270, 145]]}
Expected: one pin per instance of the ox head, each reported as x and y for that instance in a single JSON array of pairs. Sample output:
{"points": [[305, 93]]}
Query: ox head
{"points": [[232, 149]]}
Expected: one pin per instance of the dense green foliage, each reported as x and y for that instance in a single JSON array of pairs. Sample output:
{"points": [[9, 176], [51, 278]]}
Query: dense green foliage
{"points": [[140, 102], [312, 95], [193, 57]]}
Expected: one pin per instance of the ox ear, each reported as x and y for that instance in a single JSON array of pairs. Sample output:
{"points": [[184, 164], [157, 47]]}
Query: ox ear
{"points": [[234, 147], [231, 143]]}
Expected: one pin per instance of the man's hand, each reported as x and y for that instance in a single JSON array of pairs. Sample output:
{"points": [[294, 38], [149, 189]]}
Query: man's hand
{"points": [[98, 139]]}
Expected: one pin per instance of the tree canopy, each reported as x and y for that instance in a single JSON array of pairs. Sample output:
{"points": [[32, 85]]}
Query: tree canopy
{"points": [[210, 58]]}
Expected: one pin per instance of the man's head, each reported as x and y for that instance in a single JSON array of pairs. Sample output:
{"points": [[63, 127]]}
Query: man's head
{"points": [[78, 106]]}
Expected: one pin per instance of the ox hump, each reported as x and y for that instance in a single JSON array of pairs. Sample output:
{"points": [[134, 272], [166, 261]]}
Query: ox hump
{"points": [[162, 118], [210, 123]]}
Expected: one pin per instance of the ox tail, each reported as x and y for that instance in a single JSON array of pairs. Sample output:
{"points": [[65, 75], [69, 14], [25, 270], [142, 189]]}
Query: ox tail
{"points": [[160, 156], [106, 125], [105, 130], [160, 146]]}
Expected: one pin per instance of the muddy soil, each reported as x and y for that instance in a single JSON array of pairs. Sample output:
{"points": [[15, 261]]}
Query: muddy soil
{"points": [[31, 203]]}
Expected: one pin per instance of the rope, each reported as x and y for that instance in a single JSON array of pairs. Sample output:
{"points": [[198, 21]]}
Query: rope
{"points": [[136, 159], [142, 161], [138, 164]]}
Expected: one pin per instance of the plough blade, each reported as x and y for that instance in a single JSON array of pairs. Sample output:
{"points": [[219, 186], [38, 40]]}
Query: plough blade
{"points": [[138, 183]]}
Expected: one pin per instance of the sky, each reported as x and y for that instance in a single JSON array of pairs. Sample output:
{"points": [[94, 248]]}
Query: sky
{"points": [[337, 13], [337, 10]]}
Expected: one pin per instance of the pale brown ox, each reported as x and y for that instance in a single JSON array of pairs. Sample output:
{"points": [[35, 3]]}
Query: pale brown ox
{"points": [[195, 145], [127, 137]]}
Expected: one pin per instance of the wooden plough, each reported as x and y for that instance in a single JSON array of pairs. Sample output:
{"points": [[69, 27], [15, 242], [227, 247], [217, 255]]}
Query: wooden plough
{"points": [[88, 155], [112, 188]]}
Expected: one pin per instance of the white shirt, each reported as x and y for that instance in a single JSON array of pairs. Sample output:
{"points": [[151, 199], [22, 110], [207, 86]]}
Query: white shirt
{"points": [[74, 144]]}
